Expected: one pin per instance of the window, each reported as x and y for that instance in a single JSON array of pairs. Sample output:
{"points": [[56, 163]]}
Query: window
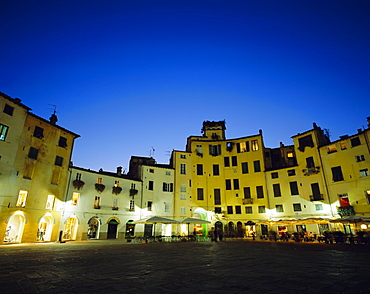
{"points": [[182, 188], [3, 132], [297, 207], [230, 210], [367, 194], [226, 161], [234, 161], [364, 172], [183, 196], [360, 158], [116, 184], [293, 188], [133, 186], [166, 207], [316, 194], [318, 207], [228, 184], [151, 170], [242, 147], [244, 167], [182, 156], [254, 144], [182, 210], [257, 166], [199, 169], [150, 203], [261, 209], [62, 142], [22, 197], [99, 180], [238, 209], [167, 187], [332, 149], [50, 202], [343, 146], [355, 142], [304, 142], [229, 146], [115, 204], [217, 195], [216, 170], [343, 200], [276, 188], [218, 210], [291, 172], [236, 184], [183, 168], [259, 190], [75, 198], [279, 208], [97, 202], [274, 175], [200, 195], [248, 210], [247, 192], [132, 205], [33, 153], [199, 150], [309, 162], [58, 161], [214, 150], [38, 132], [290, 154], [8, 109], [168, 173], [337, 173], [150, 185]]}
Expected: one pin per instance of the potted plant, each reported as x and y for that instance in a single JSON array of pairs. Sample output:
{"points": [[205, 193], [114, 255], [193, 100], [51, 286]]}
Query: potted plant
{"points": [[78, 184], [116, 190], [99, 187], [114, 208], [133, 192]]}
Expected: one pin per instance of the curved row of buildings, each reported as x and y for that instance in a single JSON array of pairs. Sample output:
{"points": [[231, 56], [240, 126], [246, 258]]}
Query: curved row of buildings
{"points": [[238, 185]]}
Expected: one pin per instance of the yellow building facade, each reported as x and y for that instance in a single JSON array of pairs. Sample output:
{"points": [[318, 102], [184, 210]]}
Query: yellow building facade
{"points": [[34, 172]]}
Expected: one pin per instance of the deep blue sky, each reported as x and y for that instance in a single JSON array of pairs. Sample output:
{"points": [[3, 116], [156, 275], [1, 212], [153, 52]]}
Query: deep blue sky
{"points": [[131, 75]]}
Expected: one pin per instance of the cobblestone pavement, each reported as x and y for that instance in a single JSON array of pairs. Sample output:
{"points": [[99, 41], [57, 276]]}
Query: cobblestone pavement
{"points": [[184, 267]]}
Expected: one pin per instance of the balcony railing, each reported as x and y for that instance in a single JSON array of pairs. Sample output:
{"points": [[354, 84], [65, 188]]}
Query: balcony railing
{"points": [[311, 171], [345, 210], [247, 201], [318, 197]]}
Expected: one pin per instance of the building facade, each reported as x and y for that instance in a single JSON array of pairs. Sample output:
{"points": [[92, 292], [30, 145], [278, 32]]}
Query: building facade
{"points": [[35, 155]]}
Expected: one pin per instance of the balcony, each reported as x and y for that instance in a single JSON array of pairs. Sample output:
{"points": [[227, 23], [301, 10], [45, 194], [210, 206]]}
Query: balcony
{"points": [[345, 210], [318, 197], [247, 201], [133, 192], [311, 171]]}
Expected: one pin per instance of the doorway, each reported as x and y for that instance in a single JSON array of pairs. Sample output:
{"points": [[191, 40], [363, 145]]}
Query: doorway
{"points": [[112, 229], [45, 228], [14, 229]]}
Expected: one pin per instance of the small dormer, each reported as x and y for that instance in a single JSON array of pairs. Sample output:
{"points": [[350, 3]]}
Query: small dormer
{"points": [[214, 130]]}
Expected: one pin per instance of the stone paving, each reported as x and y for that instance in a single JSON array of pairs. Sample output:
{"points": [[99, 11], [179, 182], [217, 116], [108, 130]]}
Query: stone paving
{"points": [[184, 267]]}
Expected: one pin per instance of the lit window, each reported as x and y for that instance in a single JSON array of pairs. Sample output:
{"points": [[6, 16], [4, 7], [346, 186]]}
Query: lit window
{"points": [[75, 198], [242, 147], [332, 149], [343, 146], [116, 184], [50, 202], [290, 154], [97, 202], [3, 132], [254, 144], [99, 181], [22, 197], [364, 172]]}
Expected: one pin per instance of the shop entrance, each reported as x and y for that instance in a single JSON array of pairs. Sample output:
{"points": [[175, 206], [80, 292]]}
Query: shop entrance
{"points": [[94, 228], [70, 228], [45, 228], [14, 229]]}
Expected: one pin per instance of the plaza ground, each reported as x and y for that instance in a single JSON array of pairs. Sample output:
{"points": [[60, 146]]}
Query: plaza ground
{"points": [[236, 266]]}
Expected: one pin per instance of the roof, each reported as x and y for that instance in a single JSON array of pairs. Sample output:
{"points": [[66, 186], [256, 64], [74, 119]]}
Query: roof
{"points": [[106, 173], [15, 101]]}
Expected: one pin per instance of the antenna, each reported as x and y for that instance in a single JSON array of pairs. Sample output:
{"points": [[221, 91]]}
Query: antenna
{"points": [[168, 153], [54, 108], [151, 152]]}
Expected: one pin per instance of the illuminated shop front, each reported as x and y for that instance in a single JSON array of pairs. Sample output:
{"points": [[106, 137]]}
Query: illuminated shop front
{"points": [[70, 228], [15, 227], [93, 228], [45, 228]]}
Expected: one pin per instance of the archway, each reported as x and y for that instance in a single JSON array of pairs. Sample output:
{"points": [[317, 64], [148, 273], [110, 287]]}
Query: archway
{"points": [[45, 228], [203, 228], [239, 229], [70, 228], [14, 229], [112, 229], [130, 229], [94, 228], [231, 229]]}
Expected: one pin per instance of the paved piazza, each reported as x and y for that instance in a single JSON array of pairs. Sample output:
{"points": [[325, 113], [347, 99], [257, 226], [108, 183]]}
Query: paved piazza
{"points": [[184, 267]]}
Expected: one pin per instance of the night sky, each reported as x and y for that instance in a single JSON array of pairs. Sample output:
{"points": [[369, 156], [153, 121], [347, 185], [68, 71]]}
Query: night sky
{"points": [[131, 75]]}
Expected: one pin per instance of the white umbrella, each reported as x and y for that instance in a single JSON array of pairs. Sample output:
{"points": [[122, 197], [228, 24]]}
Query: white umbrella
{"points": [[156, 220], [355, 219]]}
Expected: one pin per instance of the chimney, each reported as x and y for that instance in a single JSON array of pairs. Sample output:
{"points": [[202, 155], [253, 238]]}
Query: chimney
{"points": [[119, 170]]}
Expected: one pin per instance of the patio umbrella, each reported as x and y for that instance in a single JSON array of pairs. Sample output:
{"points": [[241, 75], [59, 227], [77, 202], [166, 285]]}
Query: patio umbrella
{"points": [[354, 219], [191, 220], [156, 220]]}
